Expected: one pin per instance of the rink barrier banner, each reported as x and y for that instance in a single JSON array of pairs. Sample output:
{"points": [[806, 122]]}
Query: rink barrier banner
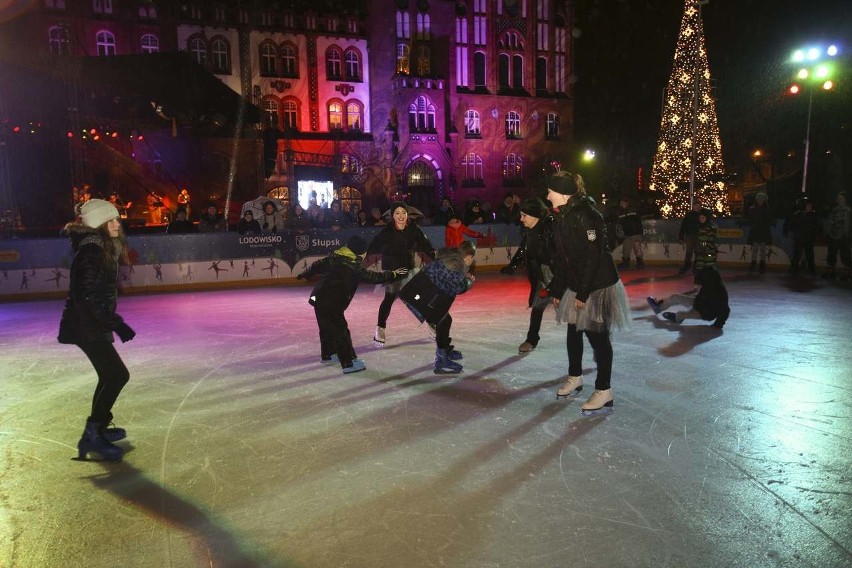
{"points": [[32, 268]]}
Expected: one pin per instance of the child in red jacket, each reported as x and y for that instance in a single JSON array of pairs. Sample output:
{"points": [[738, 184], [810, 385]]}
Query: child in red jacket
{"points": [[455, 232]]}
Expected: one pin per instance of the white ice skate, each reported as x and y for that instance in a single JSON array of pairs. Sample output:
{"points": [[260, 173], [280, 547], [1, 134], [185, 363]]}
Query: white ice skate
{"points": [[379, 338], [600, 403], [571, 387]]}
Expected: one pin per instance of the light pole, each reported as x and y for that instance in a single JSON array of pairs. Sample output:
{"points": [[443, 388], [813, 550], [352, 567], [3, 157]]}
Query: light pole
{"points": [[817, 70]]}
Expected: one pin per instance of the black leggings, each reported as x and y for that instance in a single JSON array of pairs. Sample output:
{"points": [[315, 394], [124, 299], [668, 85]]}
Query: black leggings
{"points": [[385, 307], [112, 376], [602, 348]]}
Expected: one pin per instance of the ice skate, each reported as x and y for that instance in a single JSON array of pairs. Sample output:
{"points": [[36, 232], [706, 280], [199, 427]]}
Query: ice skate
{"points": [[670, 316], [571, 387], [379, 337], [357, 365], [453, 354], [330, 360], [444, 365], [93, 441], [113, 434], [655, 304], [599, 404], [525, 347]]}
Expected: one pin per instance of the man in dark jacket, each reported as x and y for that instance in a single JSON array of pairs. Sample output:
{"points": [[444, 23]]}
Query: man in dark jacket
{"points": [[631, 225], [804, 226], [536, 250], [711, 302], [688, 236], [340, 273]]}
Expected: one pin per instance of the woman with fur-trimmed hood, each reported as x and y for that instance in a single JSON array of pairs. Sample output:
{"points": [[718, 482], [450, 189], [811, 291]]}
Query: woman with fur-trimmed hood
{"points": [[89, 318]]}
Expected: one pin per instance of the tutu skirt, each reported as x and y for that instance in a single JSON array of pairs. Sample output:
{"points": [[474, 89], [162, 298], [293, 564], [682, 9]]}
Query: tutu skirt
{"points": [[605, 309]]}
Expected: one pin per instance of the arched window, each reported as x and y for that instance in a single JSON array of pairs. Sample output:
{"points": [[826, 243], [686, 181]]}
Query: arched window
{"points": [[270, 113], [421, 115], [290, 115], [541, 74], [424, 26], [149, 43], [518, 71], [471, 169], [513, 124], [403, 65], [354, 115], [289, 60], [424, 61], [350, 164], [420, 174], [106, 43], [479, 69], [471, 123], [403, 25], [333, 63], [59, 40], [353, 65], [513, 168], [268, 57], [551, 126], [220, 53], [198, 51], [503, 71], [335, 115]]}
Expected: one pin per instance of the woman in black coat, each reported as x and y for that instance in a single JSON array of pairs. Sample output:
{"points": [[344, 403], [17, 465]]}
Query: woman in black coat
{"points": [[89, 318], [536, 250], [396, 244]]}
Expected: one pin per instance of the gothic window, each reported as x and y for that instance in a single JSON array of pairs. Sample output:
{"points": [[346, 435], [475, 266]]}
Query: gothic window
{"points": [[421, 115], [106, 43], [471, 169], [268, 57], [461, 31], [403, 25], [149, 43], [513, 168], [102, 7], [543, 34], [220, 56], [513, 124], [290, 114], [289, 60], [551, 126], [472, 125], [541, 9], [60, 43], [353, 65], [424, 61], [335, 115], [541, 74], [198, 51], [420, 174], [518, 71], [462, 77], [354, 118], [270, 113], [403, 55], [479, 69], [424, 25], [333, 63]]}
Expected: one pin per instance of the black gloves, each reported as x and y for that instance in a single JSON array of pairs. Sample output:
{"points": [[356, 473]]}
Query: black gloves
{"points": [[125, 333]]}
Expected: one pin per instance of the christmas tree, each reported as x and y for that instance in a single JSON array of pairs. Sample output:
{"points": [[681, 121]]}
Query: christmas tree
{"points": [[689, 130]]}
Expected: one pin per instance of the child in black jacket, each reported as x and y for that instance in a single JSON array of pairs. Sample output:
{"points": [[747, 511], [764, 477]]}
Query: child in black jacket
{"points": [[711, 302], [340, 273]]}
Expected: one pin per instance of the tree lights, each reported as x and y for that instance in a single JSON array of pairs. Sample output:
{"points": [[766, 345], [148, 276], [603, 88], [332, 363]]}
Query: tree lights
{"points": [[688, 163]]}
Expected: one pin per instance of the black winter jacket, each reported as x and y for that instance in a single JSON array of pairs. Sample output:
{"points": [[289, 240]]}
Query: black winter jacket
{"points": [[712, 300], [398, 247], [582, 261], [340, 273], [89, 314], [537, 250]]}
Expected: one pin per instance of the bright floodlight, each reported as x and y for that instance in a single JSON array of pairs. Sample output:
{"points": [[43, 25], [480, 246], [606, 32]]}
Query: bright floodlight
{"points": [[828, 85], [821, 71], [794, 89], [802, 74], [589, 155], [831, 51], [798, 56], [813, 53]]}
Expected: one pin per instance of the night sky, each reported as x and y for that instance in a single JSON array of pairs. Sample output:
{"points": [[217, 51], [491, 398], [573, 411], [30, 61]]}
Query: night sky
{"points": [[624, 59]]}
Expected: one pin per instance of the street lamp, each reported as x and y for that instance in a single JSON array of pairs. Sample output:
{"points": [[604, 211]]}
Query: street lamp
{"points": [[817, 71]]}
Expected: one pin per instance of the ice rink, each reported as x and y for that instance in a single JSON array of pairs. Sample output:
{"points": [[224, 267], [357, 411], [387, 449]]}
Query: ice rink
{"points": [[726, 448]]}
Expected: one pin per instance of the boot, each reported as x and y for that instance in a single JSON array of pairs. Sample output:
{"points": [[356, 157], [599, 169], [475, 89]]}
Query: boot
{"points": [[525, 347], [379, 337], [354, 367], [453, 354], [444, 365], [655, 304], [761, 267], [572, 386], [93, 441], [752, 266], [114, 434], [598, 404], [640, 263]]}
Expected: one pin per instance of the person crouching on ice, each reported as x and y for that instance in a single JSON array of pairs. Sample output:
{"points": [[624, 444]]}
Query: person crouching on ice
{"points": [[711, 302], [432, 291], [340, 272]]}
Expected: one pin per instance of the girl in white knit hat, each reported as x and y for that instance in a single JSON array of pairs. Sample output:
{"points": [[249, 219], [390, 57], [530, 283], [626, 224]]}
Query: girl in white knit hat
{"points": [[89, 318]]}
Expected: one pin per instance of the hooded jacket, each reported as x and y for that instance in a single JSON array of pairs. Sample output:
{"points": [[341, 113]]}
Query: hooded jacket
{"points": [[89, 314]]}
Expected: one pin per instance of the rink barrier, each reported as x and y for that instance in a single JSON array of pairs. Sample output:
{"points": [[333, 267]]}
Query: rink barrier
{"points": [[39, 268]]}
